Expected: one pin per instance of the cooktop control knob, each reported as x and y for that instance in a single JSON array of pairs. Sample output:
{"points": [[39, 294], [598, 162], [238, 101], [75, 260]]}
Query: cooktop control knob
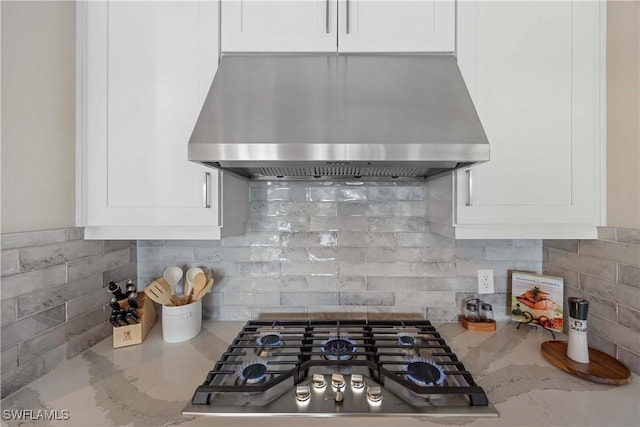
{"points": [[303, 393], [337, 380], [338, 396], [374, 394], [357, 381], [318, 381]]}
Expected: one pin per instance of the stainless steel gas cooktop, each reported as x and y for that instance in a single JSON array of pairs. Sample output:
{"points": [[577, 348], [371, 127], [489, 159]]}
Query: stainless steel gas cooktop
{"points": [[339, 368]]}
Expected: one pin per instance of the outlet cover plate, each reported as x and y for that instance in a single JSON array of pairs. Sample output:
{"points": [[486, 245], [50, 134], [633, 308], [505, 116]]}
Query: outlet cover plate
{"points": [[485, 282]]}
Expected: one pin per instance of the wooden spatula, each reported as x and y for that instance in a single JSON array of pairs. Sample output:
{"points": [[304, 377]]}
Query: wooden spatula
{"points": [[203, 291], [199, 283], [168, 290], [159, 292]]}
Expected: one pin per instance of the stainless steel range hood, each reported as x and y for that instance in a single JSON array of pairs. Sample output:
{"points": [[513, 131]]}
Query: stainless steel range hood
{"points": [[338, 116]]}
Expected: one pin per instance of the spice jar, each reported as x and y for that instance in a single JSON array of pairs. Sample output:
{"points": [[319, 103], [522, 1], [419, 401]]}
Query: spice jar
{"points": [[471, 311], [486, 312]]}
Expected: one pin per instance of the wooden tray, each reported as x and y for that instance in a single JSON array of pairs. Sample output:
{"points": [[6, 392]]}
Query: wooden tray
{"points": [[478, 326], [601, 368]]}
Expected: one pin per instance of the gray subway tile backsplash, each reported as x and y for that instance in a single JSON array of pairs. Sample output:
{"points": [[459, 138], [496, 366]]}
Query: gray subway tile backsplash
{"points": [[42, 343], [86, 303], [374, 239], [522, 253], [322, 248], [33, 238], [597, 267], [625, 253], [629, 318], [412, 208], [397, 284], [629, 275], [53, 298], [84, 267], [28, 371], [605, 272], [10, 263], [251, 298], [628, 236], [32, 281], [334, 283], [28, 327], [310, 298], [337, 223], [50, 297], [396, 224], [386, 254], [367, 298], [8, 310], [88, 339], [351, 209], [9, 359], [333, 249], [44, 256]]}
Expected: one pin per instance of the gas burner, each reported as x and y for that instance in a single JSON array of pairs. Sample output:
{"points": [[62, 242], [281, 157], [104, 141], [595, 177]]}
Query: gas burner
{"points": [[424, 372], [407, 340], [252, 372], [328, 368], [336, 348], [269, 340]]}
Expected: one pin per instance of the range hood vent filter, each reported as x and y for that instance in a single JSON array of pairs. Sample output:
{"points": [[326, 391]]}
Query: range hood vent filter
{"points": [[368, 172]]}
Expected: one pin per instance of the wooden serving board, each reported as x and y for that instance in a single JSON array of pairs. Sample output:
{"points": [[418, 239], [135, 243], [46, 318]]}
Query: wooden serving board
{"points": [[601, 368]]}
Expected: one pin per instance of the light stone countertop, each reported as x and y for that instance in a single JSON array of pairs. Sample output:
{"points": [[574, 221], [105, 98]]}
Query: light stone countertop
{"points": [[149, 384]]}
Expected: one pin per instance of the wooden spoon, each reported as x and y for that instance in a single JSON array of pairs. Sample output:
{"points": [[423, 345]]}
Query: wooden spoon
{"points": [[204, 291], [172, 276], [199, 283], [158, 293]]}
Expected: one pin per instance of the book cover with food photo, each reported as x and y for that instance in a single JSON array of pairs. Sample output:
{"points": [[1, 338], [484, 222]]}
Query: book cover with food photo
{"points": [[537, 299]]}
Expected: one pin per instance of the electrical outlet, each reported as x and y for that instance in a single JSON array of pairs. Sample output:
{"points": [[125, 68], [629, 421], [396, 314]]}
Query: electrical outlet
{"points": [[485, 282]]}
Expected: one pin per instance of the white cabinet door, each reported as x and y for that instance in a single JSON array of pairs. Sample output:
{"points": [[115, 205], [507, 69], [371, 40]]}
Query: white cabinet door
{"points": [[534, 73], [396, 25], [278, 26], [147, 67]]}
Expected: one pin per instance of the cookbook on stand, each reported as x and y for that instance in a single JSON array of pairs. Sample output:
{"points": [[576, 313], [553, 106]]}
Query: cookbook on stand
{"points": [[537, 299]]}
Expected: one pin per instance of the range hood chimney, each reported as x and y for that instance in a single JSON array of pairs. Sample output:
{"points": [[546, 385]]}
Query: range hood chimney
{"points": [[338, 116]]}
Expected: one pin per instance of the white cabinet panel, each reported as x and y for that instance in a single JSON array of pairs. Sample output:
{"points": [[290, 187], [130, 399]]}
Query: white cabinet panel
{"points": [[533, 70], [146, 68], [278, 26], [396, 26], [161, 63], [345, 25], [523, 97]]}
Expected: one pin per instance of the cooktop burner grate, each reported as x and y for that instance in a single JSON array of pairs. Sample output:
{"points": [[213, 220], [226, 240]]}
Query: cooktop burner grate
{"points": [[402, 355]]}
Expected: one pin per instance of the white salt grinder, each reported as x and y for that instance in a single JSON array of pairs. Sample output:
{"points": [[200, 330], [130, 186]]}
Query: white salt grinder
{"points": [[578, 349]]}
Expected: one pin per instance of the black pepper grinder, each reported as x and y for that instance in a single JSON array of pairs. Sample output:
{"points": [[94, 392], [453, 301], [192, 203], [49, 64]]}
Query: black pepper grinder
{"points": [[578, 349]]}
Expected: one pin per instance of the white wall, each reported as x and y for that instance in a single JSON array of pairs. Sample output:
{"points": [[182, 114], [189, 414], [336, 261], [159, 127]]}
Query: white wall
{"points": [[623, 114], [38, 115]]}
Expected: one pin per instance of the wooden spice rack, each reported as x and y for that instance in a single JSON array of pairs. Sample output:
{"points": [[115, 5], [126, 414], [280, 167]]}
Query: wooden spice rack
{"points": [[484, 325], [134, 334]]}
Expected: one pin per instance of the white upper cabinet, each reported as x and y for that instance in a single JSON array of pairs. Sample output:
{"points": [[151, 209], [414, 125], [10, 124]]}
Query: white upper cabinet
{"points": [[278, 26], [146, 70], [396, 26], [338, 25], [534, 71]]}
